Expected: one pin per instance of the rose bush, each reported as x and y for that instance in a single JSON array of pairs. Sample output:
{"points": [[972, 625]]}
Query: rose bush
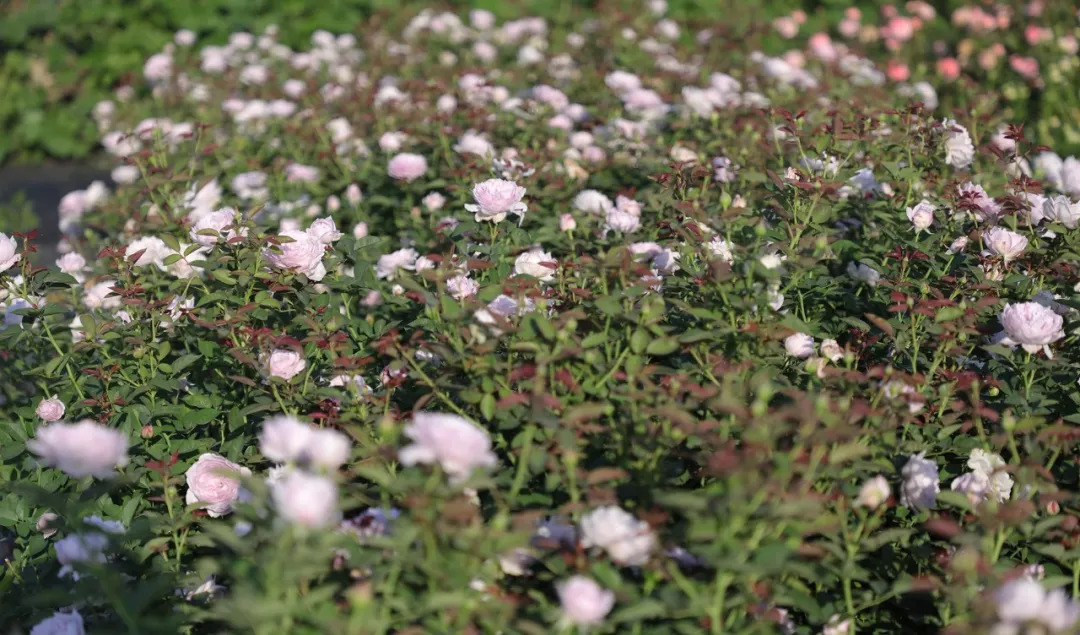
{"points": [[774, 342]]}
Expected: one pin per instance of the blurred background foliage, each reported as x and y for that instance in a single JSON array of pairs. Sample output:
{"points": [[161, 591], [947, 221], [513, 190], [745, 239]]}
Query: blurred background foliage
{"points": [[60, 57]]}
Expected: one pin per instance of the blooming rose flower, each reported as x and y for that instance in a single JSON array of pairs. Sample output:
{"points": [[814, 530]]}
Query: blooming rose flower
{"points": [[567, 223], [799, 345], [985, 208], [832, 350], [389, 264], [433, 202], [1061, 209], [622, 221], [533, 263], [9, 255], [215, 481], [453, 442], [626, 539], [593, 202], [285, 363], [303, 255], [461, 286], [959, 151], [324, 230], [922, 215], [1031, 325], [974, 484], [873, 492], [407, 166], [154, 251], [1023, 605], [306, 499], [72, 264], [999, 482], [285, 439], [213, 226], [51, 409], [474, 143], [80, 449], [79, 549], [495, 198], [920, 487], [1002, 242], [584, 602], [61, 623]]}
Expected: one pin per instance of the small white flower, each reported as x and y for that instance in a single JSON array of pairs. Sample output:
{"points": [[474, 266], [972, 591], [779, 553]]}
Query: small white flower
{"points": [[584, 602], [959, 151], [799, 345], [873, 492], [863, 273], [922, 215], [307, 500], [80, 449], [535, 263], [626, 539], [1002, 242], [388, 265]]}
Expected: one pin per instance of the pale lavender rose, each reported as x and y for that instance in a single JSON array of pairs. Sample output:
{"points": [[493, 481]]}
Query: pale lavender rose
{"points": [[495, 198], [9, 252], [80, 449], [324, 230], [799, 345], [388, 265], [584, 602], [1057, 208], [1002, 242], [51, 409], [303, 255], [456, 444], [628, 540], [285, 439], [461, 287], [215, 481], [285, 364], [1024, 606], [1031, 326], [922, 215], [536, 263], [407, 166], [307, 500], [211, 227], [298, 173], [61, 623]]}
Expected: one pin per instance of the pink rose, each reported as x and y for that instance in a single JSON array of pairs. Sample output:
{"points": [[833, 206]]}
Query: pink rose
{"points": [[495, 198], [407, 166], [211, 227], [215, 481], [285, 364], [454, 443], [302, 255], [51, 409]]}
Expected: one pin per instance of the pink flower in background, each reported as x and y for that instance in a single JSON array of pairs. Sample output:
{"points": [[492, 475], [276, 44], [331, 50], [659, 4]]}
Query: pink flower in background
{"points": [[407, 166], [456, 444], [584, 602], [303, 254], [51, 409], [897, 71], [212, 227], [285, 364], [307, 500], [1028, 67], [786, 26], [298, 173], [948, 68], [1035, 34], [495, 198], [215, 481]]}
